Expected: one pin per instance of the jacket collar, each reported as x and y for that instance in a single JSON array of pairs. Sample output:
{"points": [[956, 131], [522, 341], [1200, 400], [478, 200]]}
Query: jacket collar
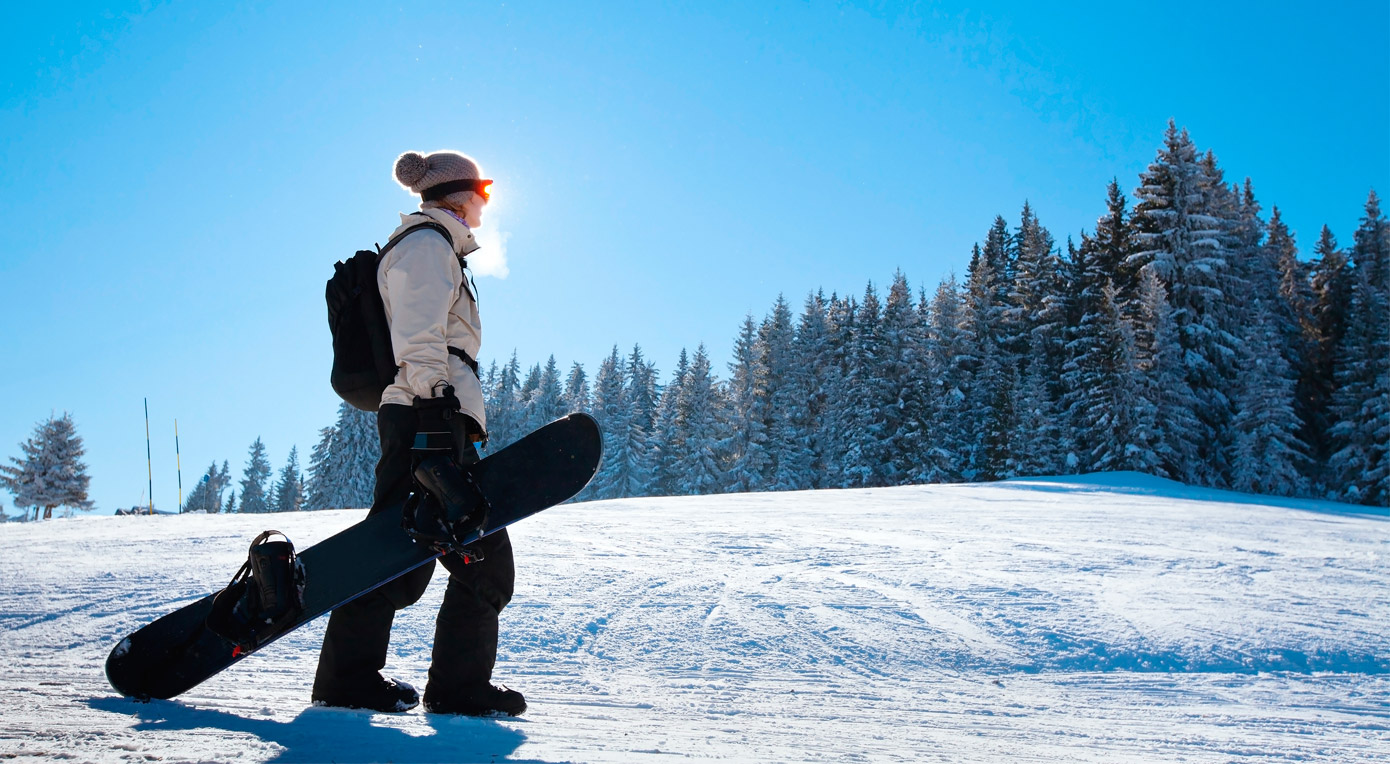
{"points": [[464, 241]]}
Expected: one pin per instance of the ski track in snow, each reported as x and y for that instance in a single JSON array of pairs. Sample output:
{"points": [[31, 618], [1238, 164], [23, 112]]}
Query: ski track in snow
{"points": [[1028, 621]]}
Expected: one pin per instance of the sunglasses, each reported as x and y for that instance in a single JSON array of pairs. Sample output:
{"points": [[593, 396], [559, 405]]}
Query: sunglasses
{"points": [[481, 187]]}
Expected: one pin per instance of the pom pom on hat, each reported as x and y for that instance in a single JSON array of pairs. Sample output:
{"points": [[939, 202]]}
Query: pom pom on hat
{"points": [[411, 168]]}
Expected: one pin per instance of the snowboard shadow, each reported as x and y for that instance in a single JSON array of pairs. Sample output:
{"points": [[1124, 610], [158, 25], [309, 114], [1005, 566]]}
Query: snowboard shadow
{"points": [[323, 734]]}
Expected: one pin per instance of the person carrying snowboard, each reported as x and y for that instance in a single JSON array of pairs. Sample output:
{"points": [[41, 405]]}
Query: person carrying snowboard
{"points": [[435, 332]]}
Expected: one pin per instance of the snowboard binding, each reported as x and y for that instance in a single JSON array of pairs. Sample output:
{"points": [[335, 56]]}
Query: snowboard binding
{"points": [[446, 508], [264, 595]]}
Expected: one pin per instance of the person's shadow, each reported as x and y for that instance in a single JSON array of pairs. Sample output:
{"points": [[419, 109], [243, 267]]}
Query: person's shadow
{"points": [[320, 734]]}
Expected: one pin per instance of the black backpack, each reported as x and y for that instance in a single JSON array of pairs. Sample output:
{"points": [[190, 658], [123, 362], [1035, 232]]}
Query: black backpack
{"points": [[363, 362]]}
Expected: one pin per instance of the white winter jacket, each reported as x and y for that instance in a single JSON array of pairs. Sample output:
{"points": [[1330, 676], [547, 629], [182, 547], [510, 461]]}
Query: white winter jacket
{"points": [[431, 307]]}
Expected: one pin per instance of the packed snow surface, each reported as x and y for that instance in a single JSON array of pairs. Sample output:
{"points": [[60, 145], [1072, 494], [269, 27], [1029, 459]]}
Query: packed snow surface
{"points": [[1112, 617]]}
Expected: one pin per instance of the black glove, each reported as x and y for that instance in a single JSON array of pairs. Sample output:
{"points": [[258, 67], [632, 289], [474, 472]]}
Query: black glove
{"points": [[446, 492]]}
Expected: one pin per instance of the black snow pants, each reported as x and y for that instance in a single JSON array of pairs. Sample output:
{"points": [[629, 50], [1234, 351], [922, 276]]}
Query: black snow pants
{"points": [[465, 636]]}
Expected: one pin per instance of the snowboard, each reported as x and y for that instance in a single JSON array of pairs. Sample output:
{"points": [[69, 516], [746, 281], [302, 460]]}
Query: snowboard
{"points": [[178, 651]]}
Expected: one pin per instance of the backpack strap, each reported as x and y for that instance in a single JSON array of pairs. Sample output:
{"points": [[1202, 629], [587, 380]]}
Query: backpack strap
{"points": [[381, 251], [467, 359]]}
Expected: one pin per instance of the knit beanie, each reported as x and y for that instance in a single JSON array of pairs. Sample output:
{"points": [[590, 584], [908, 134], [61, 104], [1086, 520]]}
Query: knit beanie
{"points": [[418, 172]]}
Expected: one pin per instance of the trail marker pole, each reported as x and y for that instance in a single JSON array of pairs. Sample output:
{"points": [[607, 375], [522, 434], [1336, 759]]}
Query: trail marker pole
{"points": [[178, 461], [149, 462]]}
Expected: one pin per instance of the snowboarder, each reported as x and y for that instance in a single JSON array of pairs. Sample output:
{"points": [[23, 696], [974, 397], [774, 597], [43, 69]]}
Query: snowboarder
{"points": [[435, 335]]}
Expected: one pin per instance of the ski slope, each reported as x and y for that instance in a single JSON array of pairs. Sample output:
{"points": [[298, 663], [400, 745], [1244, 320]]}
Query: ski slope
{"points": [[1098, 619]]}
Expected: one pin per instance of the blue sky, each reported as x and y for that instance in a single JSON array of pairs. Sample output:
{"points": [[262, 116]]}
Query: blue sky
{"points": [[177, 179]]}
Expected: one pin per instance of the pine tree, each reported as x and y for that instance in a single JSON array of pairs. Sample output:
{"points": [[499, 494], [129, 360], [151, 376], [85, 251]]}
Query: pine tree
{"points": [[947, 349], [576, 395], [776, 336], [289, 489], [52, 473], [746, 446], [699, 426], [1267, 456], [207, 495], [1115, 423], [641, 398], [505, 417], [1183, 222], [901, 386], [800, 465], [253, 481], [321, 485], [544, 403], [613, 415], [860, 419], [989, 394], [356, 449], [1165, 382], [1297, 333], [1360, 461], [1331, 287], [670, 439]]}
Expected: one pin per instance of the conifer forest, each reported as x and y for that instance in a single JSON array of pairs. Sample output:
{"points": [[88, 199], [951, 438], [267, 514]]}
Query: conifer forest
{"points": [[1187, 336]]}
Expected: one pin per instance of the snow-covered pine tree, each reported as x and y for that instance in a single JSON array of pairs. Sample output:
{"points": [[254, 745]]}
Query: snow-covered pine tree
{"points": [[745, 448], [902, 387], [545, 402], [947, 349], [1159, 355], [640, 396], [505, 418], [321, 484], [1114, 421], [1183, 222], [52, 473], [989, 396], [840, 450], [1112, 245], [1331, 285], [207, 495], [576, 394], [774, 347], [613, 415], [1040, 444], [699, 425], [355, 450], [860, 417], [800, 465], [253, 480], [289, 488], [670, 443], [229, 506], [1036, 318], [1267, 456], [1296, 329], [1361, 403]]}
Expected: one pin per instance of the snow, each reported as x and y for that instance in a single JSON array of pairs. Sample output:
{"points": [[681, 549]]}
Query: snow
{"points": [[1103, 618]]}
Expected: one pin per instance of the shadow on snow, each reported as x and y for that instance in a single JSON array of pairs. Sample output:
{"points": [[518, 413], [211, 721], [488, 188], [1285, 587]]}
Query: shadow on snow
{"points": [[322, 734]]}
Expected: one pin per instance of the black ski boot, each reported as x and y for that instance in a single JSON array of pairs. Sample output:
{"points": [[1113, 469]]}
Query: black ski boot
{"points": [[387, 696], [485, 700]]}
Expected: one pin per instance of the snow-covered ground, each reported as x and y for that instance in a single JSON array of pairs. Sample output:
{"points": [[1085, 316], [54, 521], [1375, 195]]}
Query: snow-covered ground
{"points": [[1108, 618]]}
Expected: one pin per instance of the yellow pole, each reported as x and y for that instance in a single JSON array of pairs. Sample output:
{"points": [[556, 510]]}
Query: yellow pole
{"points": [[149, 462], [178, 460]]}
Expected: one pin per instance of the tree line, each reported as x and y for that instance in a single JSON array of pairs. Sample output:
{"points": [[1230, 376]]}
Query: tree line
{"points": [[1183, 337]]}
